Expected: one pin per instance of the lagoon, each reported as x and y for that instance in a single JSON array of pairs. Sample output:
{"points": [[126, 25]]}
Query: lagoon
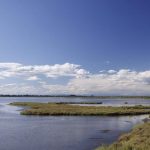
{"points": [[61, 132]]}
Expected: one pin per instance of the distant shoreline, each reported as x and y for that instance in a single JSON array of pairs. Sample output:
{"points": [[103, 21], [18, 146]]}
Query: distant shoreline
{"points": [[81, 96]]}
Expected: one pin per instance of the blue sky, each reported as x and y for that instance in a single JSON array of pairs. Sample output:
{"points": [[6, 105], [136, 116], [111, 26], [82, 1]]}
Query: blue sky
{"points": [[94, 34]]}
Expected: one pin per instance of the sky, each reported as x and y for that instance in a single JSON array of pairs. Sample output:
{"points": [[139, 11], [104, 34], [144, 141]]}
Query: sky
{"points": [[99, 47]]}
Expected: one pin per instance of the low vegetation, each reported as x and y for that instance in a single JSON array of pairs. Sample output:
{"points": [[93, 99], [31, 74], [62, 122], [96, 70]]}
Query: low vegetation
{"points": [[138, 139], [34, 108]]}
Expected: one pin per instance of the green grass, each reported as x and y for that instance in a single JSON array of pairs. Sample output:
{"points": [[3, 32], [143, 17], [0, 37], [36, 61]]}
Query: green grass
{"points": [[59, 109], [137, 139]]}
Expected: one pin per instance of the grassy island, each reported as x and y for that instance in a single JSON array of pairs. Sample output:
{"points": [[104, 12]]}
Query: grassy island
{"points": [[137, 139], [60, 109]]}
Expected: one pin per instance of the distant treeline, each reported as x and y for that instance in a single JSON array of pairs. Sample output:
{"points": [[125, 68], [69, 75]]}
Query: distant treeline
{"points": [[76, 96]]}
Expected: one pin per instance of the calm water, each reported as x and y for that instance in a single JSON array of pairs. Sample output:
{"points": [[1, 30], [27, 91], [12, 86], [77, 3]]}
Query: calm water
{"points": [[61, 133]]}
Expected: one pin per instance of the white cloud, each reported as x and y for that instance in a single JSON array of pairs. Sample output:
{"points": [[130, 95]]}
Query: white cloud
{"points": [[123, 82], [21, 88], [111, 71], [111, 82], [33, 78], [51, 71], [9, 65]]}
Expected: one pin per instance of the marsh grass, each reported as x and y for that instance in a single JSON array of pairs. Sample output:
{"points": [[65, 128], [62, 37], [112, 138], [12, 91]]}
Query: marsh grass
{"points": [[34, 108], [138, 139]]}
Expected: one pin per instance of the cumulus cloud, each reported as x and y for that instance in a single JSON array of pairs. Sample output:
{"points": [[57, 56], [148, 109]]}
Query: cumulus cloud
{"points": [[32, 71], [122, 82], [80, 81]]}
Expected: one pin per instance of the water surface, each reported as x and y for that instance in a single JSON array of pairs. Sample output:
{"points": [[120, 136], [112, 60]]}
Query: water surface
{"points": [[59, 133]]}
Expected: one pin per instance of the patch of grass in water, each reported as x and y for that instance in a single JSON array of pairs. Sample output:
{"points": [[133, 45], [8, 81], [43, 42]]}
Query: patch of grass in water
{"points": [[34, 108]]}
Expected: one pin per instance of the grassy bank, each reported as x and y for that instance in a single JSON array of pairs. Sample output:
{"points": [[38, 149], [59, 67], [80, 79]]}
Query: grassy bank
{"points": [[34, 108], [138, 139]]}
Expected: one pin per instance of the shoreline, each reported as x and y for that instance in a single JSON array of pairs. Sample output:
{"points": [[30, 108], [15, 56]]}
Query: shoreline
{"points": [[137, 139], [83, 96]]}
